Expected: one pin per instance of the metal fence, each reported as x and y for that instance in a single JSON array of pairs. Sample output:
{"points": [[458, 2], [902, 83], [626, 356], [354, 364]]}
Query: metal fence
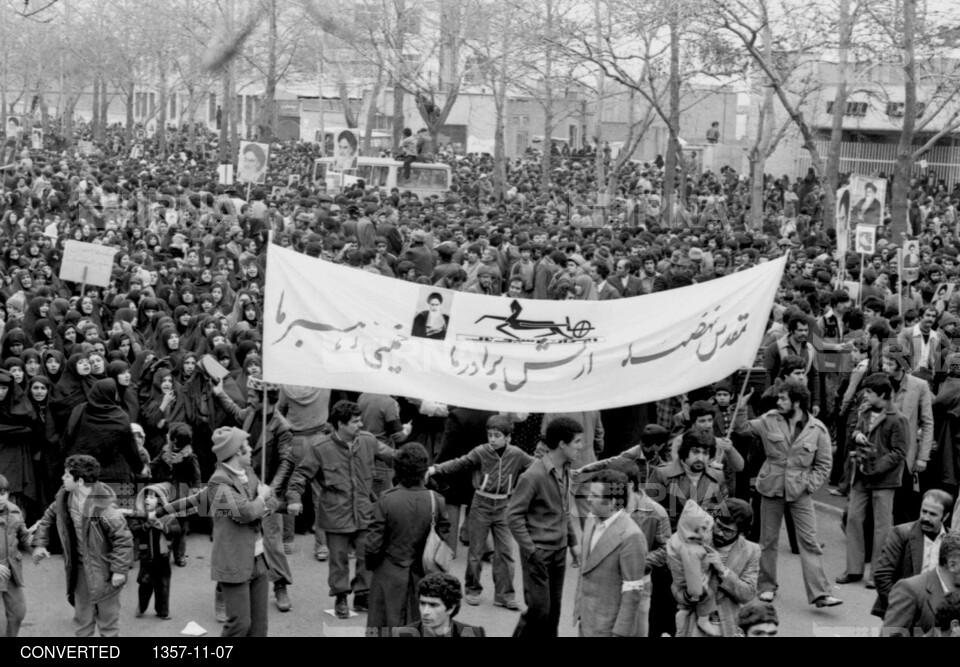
{"points": [[874, 159]]}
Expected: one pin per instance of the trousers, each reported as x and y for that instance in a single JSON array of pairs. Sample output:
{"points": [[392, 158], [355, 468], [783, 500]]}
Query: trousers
{"points": [[246, 603], [87, 616], [272, 525], [543, 574], [881, 501], [15, 608], [154, 580], [339, 575], [811, 555], [488, 516]]}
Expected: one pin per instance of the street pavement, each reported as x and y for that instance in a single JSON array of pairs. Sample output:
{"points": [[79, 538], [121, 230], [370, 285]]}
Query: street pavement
{"points": [[49, 614]]}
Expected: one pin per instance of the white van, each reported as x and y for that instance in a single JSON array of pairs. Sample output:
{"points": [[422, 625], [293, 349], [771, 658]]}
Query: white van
{"points": [[426, 178]]}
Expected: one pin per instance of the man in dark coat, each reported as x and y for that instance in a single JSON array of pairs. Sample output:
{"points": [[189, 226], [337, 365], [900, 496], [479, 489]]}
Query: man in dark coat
{"points": [[944, 469], [909, 546], [402, 519]]}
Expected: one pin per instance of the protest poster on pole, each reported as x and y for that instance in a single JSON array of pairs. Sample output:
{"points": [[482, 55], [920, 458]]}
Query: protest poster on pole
{"points": [[87, 263], [36, 139], [843, 223], [225, 174], [868, 195], [911, 261], [866, 239], [252, 163]]}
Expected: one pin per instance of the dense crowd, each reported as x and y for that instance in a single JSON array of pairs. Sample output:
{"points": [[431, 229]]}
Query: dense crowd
{"points": [[144, 399]]}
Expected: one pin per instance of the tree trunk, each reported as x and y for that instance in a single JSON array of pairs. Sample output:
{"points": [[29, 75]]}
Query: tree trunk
{"points": [[348, 116], [673, 127], [162, 116], [398, 119], [839, 106], [226, 104], [131, 100], [499, 134], [95, 109], [765, 130], [899, 223], [104, 109], [372, 110], [268, 115]]}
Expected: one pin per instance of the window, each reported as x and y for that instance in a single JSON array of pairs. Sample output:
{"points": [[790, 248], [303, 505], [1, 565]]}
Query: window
{"points": [[895, 109], [410, 65], [858, 109]]}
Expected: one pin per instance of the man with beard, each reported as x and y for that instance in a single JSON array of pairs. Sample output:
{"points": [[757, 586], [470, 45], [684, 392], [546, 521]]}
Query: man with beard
{"points": [[945, 460], [796, 343], [913, 399], [922, 343], [798, 461], [689, 477], [881, 446], [912, 548]]}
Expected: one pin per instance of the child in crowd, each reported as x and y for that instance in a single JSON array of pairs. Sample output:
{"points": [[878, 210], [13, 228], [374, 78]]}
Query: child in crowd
{"points": [[496, 466], [153, 538], [686, 555], [16, 537], [177, 464]]}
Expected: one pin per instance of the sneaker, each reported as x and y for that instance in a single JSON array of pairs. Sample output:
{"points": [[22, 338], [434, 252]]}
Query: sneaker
{"points": [[283, 600], [472, 599], [361, 602], [510, 604], [288, 548], [340, 608], [164, 617], [767, 596], [321, 552], [220, 608]]}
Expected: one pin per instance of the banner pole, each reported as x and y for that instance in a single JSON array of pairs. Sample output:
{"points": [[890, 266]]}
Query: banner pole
{"points": [[263, 446], [718, 462], [900, 282], [860, 291], [83, 283]]}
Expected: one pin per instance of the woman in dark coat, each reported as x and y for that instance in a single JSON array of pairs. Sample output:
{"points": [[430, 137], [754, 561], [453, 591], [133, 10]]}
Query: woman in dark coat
{"points": [[17, 425], [101, 428], [119, 372], [395, 543]]}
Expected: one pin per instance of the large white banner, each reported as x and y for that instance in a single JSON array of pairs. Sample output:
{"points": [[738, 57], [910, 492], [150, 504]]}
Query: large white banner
{"points": [[332, 326]]}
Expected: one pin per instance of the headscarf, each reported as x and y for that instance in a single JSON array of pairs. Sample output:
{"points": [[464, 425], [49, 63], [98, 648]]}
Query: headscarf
{"points": [[588, 289], [127, 395], [13, 337], [32, 315], [103, 409], [73, 388], [31, 353], [58, 310], [44, 331], [51, 352]]}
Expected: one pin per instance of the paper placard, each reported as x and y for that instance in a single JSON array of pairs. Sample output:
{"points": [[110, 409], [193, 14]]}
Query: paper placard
{"points": [[96, 259], [866, 239], [225, 174]]}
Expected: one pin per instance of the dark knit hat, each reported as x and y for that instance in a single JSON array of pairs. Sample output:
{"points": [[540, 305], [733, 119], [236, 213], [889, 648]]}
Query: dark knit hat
{"points": [[227, 441]]}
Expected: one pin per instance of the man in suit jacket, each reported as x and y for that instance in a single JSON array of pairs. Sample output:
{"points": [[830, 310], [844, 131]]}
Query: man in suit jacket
{"points": [[614, 552], [909, 545], [914, 601], [914, 400], [922, 343], [605, 291], [440, 596], [625, 282]]}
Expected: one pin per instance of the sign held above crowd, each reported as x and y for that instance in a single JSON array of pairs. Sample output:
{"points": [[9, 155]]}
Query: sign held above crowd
{"points": [[87, 263], [331, 326]]}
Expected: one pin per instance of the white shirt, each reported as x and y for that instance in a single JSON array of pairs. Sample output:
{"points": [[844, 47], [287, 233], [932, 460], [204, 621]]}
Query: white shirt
{"points": [[931, 551], [601, 527], [923, 360]]}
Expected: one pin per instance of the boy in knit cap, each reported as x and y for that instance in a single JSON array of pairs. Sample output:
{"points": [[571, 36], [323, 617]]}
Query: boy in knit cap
{"points": [[686, 556], [237, 502]]}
